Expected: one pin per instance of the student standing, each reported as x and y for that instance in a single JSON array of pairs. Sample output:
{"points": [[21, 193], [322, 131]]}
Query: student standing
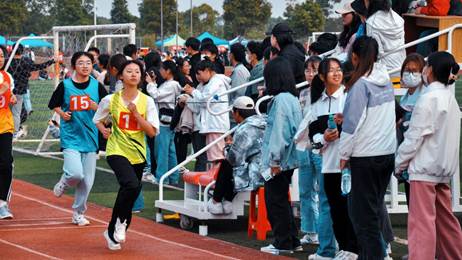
{"points": [[75, 101], [133, 115]]}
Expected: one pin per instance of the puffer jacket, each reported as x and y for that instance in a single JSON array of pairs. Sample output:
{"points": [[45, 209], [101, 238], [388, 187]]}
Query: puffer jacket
{"points": [[245, 153]]}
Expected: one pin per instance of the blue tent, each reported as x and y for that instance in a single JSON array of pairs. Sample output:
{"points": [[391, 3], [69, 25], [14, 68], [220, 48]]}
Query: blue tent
{"points": [[239, 39], [3, 41], [217, 41], [36, 43]]}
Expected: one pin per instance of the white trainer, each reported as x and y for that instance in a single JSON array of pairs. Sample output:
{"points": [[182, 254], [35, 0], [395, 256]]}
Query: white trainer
{"points": [[273, 250], [59, 188], [119, 231], [5, 212], [214, 208], [227, 207], [80, 220], [148, 177], [111, 244], [318, 257], [345, 255], [310, 238]]}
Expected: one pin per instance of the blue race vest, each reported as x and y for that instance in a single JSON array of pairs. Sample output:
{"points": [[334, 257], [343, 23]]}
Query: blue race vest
{"points": [[79, 133]]}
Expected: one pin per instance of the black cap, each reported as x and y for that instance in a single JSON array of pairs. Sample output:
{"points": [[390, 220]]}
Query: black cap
{"points": [[280, 28], [359, 7]]}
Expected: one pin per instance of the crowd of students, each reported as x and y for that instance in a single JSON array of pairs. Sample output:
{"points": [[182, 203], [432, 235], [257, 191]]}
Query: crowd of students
{"points": [[146, 113]]}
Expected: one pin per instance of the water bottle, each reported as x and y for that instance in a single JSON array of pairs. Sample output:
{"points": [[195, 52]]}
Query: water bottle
{"points": [[346, 181], [331, 123]]}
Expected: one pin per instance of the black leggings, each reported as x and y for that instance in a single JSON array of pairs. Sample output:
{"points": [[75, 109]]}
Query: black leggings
{"points": [[6, 165], [224, 185], [129, 177]]}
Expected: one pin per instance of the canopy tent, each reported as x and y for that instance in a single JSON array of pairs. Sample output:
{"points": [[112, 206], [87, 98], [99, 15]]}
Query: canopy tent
{"points": [[35, 43], [239, 39], [3, 41], [172, 41], [217, 41]]}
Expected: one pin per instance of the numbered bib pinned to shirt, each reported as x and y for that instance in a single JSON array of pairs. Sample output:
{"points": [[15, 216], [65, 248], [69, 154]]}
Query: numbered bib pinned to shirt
{"points": [[127, 121], [80, 103]]}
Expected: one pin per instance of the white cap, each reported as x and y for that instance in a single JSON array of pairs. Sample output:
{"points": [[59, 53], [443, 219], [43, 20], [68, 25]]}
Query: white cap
{"points": [[345, 9], [243, 102]]}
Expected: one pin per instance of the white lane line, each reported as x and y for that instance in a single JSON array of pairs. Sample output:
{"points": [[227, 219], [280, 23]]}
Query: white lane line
{"points": [[132, 231], [32, 219], [45, 223], [52, 228], [29, 250]]}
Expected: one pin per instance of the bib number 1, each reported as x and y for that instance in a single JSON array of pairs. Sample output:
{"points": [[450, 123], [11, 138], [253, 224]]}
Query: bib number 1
{"points": [[128, 122], [80, 103]]}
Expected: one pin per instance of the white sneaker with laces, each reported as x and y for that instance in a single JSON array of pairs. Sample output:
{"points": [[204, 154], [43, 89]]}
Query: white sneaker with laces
{"points": [[310, 238], [148, 177], [59, 188], [227, 207], [273, 250], [5, 212], [318, 257], [111, 244], [345, 255], [214, 208], [119, 231], [80, 220]]}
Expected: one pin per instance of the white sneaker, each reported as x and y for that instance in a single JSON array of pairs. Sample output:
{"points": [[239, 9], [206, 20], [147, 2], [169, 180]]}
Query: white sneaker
{"points": [[345, 255], [214, 208], [273, 250], [5, 212], [111, 244], [80, 220], [310, 238], [318, 257], [148, 177], [119, 231], [227, 207], [59, 188]]}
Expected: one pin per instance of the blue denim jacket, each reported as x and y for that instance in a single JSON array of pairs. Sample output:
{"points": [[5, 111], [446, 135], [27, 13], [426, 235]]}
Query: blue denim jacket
{"points": [[284, 117]]}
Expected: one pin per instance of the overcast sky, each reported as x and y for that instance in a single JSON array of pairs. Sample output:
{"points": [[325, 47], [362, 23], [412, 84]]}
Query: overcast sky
{"points": [[104, 6]]}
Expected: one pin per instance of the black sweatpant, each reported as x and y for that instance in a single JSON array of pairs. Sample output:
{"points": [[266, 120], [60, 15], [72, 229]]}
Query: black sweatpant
{"points": [[224, 185], [198, 142], [129, 178], [152, 155], [341, 223], [181, 146], [6, 165], [279, 211], [369, 180]]}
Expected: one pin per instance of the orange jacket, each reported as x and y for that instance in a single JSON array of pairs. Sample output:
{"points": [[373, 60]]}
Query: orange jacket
{"points": [[436, 8]]}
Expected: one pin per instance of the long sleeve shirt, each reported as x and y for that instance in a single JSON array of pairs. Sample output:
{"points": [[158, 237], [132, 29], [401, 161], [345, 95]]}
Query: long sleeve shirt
{"points": [[21, 70]]}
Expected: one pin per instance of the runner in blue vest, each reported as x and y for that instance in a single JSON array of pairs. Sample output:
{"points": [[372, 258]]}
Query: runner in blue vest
{"points": [[75, 101]]}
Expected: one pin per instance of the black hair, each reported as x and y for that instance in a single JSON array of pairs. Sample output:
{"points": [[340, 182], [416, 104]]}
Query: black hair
{"points": [[267, 53], [180, 62], [194, 43], [245, 113], [266, 43], [94, 49], [20, 49], [413, 57], [212, 48], [318, 85], [152, 60], [367, 50], [117, 61], [255, 48], [204, 65], [79, 54], [300, 46], [207, 40], [128, 62], [103, 60], [311, 60], [378, 5], [443, 65], [279, 77], [129, 50], [274, 51], [349, 30], [5, 56], [284, 39], [238, 51], [171, 66]]}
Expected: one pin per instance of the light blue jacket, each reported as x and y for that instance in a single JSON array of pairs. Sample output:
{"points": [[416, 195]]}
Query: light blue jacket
{"points": [[284, 117]]}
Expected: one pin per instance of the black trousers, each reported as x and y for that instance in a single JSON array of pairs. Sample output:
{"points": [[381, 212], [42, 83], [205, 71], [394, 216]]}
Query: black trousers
{"points": [[152, 155], [6, 165], [224, 185], [341, 223], [181, 145], [129, 178], [279, 211], [369, 180], [198, 142]]}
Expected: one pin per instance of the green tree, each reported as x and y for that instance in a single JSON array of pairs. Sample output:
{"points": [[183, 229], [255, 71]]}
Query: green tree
{"points": [[13, 15], [243, 16], [39, 19], [327, 6], [305, 18], [204, 19], [120, 13], [150, 16], [73, 12]]}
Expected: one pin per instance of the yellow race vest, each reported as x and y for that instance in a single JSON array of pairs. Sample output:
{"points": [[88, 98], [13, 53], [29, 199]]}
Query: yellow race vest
{"points": [[127, 138]]}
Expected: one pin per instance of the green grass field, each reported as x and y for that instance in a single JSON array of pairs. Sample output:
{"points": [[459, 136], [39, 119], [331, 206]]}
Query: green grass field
{"points": [[46, 172]]}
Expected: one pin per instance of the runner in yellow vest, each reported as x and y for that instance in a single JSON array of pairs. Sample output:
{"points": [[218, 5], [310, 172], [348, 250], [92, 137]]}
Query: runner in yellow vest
{"points": [[6, 136], [133, 115]]}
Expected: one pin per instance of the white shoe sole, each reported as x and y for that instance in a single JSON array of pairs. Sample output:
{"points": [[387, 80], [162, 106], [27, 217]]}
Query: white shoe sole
{"points": [[111, 245], [80, 224]]}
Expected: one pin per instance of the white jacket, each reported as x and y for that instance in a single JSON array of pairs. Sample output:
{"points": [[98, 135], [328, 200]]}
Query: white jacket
{"points": [[430, 150], [388, 29], [209, 123]]}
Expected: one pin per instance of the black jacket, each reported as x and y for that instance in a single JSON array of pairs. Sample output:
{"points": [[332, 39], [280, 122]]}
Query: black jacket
{"points": [[296, 59]]}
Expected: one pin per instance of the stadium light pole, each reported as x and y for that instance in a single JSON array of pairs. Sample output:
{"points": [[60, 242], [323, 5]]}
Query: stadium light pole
{"points": [[94, 16], [162, 25]]}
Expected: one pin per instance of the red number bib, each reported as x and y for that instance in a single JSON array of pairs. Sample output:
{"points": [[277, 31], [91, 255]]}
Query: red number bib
{"points": [[80, 103], [128, 122]]}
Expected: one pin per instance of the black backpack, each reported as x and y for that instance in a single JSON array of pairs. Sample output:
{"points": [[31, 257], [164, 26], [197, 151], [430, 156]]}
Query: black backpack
{"points": [[456, 8]]}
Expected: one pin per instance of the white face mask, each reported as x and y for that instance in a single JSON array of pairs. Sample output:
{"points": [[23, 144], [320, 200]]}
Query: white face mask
{"points": [[412, 79], [247, 58]]}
